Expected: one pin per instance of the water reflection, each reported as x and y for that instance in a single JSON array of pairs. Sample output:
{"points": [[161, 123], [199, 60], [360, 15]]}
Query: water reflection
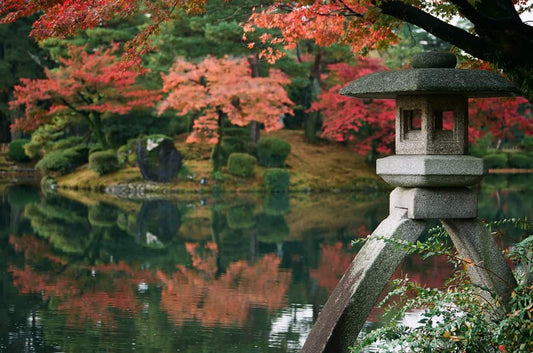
{"points": [[214, 275]]}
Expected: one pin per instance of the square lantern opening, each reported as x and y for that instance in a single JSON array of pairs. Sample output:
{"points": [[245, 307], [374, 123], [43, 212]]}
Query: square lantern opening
{"points": [[412, 124]]}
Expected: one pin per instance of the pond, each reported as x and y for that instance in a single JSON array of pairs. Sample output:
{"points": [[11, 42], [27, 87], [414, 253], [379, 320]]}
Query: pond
{"points": [[196, 273]]}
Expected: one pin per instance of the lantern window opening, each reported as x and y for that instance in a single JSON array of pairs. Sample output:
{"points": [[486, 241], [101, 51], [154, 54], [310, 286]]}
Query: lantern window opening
{"points": [[444, 120]]}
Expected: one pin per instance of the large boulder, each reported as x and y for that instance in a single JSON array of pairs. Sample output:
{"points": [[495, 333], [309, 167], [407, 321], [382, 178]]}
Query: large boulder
{"points": [[157, 158]]}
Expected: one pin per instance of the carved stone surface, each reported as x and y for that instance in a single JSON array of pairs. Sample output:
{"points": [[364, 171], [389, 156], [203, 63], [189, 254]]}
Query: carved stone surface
{"points": [[431, 170], [439, 203], [158, 159]]}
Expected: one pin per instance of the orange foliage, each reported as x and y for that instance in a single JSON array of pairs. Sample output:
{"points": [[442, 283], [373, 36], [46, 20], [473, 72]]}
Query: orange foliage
{"points": [[352, 22], [83, 84], [217, 87], [196, 294]]}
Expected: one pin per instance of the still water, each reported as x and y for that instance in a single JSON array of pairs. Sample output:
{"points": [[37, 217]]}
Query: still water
{"points": [[92, 273]]}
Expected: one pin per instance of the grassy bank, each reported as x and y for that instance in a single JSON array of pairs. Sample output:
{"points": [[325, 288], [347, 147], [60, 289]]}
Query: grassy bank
{"points": [[313, 167]]}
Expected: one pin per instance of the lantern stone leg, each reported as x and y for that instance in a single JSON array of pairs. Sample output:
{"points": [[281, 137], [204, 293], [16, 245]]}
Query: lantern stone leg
{"points": [[348, 307], [489, 268]]}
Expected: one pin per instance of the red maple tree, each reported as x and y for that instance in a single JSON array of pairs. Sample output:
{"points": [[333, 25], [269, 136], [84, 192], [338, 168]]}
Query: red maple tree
{"points": [[86, 85], [369, 123], [218, 88]]}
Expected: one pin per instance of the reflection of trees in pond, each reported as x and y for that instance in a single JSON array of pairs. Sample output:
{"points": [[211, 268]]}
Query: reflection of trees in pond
{"points": [[334, 261], [158, 222], [82, 292], [196, 294], [102, 215], [61, 221], [277, 204]]}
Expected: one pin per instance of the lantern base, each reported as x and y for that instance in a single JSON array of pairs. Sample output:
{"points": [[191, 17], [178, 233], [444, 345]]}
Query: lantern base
{"points": [[411, 171]]}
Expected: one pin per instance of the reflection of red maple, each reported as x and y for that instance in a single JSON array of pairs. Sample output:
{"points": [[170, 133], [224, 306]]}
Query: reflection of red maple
{"points": [[333, 263], [97, 293], [83, 292], [195, 294], [34, 248]]}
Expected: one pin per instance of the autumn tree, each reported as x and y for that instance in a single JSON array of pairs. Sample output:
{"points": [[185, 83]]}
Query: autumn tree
{"points": [[220, 89], [368, 124], [86, 85], [497, 34]]}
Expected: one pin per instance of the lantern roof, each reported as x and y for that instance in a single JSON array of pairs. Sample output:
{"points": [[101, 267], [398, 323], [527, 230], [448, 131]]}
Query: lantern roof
{"points": [[431, 73]]}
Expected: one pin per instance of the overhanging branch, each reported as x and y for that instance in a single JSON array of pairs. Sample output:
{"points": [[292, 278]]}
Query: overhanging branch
{"points": [[472, 44]]}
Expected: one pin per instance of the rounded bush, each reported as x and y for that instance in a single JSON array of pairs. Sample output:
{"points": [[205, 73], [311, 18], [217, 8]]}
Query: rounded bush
{"points": [[242, 164], [61, 162], [495, 160], [16, 150], [272, 151], [520, 160], [103, 162], [276, 180]]}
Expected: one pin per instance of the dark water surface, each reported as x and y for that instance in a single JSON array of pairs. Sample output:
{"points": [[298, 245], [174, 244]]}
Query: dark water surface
{"points": [[191, 274]]}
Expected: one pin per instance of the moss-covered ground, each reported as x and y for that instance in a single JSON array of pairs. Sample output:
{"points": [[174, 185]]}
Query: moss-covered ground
{"points": [[324, 166]]}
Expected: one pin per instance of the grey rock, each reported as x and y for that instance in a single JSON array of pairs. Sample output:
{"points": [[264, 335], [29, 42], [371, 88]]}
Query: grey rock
{"points": [[158, 159]]}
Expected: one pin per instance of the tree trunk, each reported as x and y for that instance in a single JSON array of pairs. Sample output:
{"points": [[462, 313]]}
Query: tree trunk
{"points": [[311, 122], [96, 126], [255, 127]]}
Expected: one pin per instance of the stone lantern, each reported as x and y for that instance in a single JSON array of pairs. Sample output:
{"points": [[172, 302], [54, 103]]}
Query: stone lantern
{"points": [[431, 173]]}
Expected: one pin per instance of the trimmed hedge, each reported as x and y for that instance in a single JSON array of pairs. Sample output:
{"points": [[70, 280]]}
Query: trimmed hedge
{"points": [[495, 160], [276, 180], [272, 152], [62, 161], [16, 150], [104, 162], [242, 164], [520, 160]]}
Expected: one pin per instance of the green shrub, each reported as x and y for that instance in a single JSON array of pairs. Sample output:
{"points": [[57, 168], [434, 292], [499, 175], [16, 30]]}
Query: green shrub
{"points": [[495, 160], [65, 143], [276, 180], [127, 154], [16, 150], [62, 161], [103, 162], [242, 164], [520, 160], [272, 151]]}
